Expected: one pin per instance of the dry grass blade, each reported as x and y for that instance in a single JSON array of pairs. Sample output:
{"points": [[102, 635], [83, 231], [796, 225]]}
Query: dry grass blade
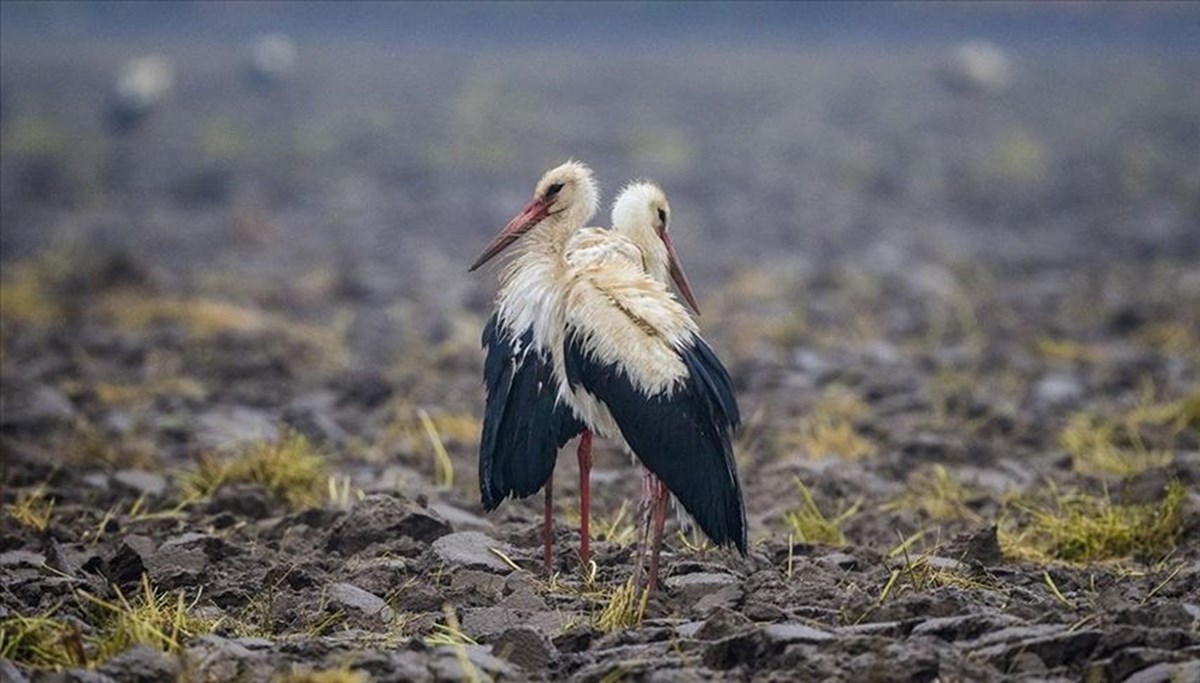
{"points": [[156, 620], [812, 526], [33, 509], [624, 608], [1049, 580], [443, 466], [38, 642], [450, 634]]}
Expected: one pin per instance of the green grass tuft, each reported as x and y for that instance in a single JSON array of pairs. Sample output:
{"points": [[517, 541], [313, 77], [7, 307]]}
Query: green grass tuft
{"points": [[1074, 527], [289, 468]]}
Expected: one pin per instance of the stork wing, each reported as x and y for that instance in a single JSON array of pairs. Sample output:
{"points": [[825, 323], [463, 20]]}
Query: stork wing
{"points": [[634, 348], [523, 424]]}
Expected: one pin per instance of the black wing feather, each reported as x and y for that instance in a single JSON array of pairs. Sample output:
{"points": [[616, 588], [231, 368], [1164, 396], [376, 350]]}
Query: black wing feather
{"points": [[523, 423], [683, 438]]}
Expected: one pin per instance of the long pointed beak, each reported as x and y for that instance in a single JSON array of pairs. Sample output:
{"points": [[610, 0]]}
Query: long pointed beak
{"points": [[533, 213], [677, 274]]}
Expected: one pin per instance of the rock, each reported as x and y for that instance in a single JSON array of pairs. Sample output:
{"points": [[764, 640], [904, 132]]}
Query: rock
{"points": [[965, 627], [525, 647], [838, 560], [17, 558], [930, 447], [721, 623], [383, 518], [482, 582], [785, 634], [1128, 660], [447, 666], [1193, 610], [355, 599], [981, 546], [310, 416], [422, 598], [96, 480], [1057, 389], [757, 610], [693, 587], [1167, 673], [380, 575], [404, 665], [228, 427], [141, 482], [885, 629], [76, 676], [737, 650], [363, 389], [118, 423], [128, 563], [10, 673], [35, 408], [488, 622], [814, 366], [472, 549], [183, 560], [524, 599], [934, 561], [142, 664], [461, 519], [727, 596], [1054, 645], [578, 639], [247, 501], [215, 658]]}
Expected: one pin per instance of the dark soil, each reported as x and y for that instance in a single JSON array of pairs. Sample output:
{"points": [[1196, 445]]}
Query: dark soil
{"points": [[919, 294]]}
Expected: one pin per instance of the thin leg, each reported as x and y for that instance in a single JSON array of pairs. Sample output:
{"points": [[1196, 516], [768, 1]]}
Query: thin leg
{"points": [[660, 519], [548, 525], [645, 513], [585, 496]]}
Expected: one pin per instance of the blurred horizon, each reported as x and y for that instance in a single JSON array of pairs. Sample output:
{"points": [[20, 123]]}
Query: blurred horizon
{"points": [[790, 138], [1160, 26]]}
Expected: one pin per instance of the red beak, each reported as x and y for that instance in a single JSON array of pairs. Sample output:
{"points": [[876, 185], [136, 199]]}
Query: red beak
{"points": [[677, 274], [531, 215]]}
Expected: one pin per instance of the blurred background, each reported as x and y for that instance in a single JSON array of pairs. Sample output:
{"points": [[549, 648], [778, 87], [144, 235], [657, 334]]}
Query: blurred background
{"points": [[950, 254], [276, 202]]}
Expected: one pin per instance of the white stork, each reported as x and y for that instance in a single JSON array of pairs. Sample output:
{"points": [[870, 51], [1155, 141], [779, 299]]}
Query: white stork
{"points": [[524, 423], [633, 367]]}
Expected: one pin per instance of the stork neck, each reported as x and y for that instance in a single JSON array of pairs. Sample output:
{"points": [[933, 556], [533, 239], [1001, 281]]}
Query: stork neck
{"points": [[543, 246]]}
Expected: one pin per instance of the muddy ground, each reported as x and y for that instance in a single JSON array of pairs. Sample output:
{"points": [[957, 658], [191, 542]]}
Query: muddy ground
{"points": [[963, 328]]}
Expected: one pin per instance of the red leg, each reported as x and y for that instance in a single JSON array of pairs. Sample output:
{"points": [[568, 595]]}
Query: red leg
{"points": [[585, 496], [645, 515], [660, 519], [548, 525]]}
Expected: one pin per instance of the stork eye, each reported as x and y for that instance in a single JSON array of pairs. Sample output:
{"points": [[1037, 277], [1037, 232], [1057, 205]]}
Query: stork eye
{"points": [[662, 217], [553, 190]]}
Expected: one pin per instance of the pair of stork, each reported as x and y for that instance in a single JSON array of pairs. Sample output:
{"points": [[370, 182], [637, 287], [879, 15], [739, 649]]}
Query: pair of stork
{"points": [[587, 339]]}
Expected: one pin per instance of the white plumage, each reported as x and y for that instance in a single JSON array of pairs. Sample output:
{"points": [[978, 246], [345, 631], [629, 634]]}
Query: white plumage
{"points": [[587, 337]]}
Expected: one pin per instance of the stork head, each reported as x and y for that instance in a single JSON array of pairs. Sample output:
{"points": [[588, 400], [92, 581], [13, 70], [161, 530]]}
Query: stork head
{"points": [[642, 214], [566, 194]]}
